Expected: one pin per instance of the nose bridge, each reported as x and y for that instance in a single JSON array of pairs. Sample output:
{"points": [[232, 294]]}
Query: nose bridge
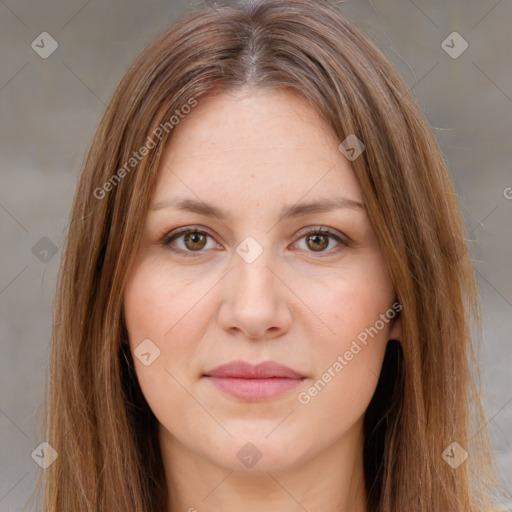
{"points": [[251, 273]]}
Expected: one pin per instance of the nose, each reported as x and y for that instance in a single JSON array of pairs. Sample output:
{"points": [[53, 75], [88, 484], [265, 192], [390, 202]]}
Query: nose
{"points": [[255, 302]]}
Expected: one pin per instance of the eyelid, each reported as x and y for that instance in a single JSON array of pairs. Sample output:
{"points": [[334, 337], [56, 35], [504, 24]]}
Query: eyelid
{"points": [[339, 237], [320, 229], [342, 239], [176, 233]]}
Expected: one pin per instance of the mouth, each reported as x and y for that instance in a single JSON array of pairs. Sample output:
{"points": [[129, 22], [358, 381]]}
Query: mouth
{"points": [[254, 383]]}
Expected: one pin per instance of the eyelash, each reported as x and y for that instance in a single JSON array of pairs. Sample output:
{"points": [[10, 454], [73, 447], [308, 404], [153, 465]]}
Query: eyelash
{"points": [[168, 239]]}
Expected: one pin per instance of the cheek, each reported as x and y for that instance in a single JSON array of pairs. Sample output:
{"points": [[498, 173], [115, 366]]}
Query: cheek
{"points": [[146, 304], [355, 306], [350, 299], [155, 309], [156, 302]]}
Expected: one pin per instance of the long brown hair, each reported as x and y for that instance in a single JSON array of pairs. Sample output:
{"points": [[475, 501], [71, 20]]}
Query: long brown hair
{"points": [[428, 394]]}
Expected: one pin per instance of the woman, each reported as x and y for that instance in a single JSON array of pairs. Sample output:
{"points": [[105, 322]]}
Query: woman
{"points": [[265, 296]]}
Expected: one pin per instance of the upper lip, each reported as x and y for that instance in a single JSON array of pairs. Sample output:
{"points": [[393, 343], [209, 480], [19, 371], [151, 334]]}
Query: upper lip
{"points": [[244, 370]]}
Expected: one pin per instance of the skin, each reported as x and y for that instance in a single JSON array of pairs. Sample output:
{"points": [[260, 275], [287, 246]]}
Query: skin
{"points": [[301, 303]]}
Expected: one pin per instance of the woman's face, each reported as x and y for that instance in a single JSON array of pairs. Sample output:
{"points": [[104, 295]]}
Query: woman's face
{"points": [[254, 283]]}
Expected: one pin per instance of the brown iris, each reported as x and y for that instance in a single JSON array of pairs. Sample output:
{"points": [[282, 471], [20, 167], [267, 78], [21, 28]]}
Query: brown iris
{"points": [[197, 240], [317, 238]]}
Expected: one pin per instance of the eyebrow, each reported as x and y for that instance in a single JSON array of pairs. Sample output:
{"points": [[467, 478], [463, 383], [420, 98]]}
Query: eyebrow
{"points": [[296, 210]]}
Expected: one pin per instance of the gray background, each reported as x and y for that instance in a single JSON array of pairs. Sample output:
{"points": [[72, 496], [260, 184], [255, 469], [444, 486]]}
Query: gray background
{"points": [[49, 110]]}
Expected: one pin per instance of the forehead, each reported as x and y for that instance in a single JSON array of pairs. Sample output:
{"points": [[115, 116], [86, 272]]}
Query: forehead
{"points": [[254, 145]]}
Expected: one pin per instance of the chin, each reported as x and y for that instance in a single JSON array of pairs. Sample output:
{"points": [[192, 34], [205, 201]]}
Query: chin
{"points": [[254, 454]]}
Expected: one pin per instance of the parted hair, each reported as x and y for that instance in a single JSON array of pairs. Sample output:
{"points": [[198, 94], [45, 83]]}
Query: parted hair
{"points": [[428, 395]]}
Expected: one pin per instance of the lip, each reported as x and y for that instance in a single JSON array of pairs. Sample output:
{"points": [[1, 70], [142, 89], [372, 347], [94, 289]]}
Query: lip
{"points": [[253, 383]]}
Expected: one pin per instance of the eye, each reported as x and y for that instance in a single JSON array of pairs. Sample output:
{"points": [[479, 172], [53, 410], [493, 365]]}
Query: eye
{"points": [[193, 240], [318, 239]]}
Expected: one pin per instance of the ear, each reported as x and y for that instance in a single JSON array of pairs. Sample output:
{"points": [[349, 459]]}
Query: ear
{"points": [[395, 331]]}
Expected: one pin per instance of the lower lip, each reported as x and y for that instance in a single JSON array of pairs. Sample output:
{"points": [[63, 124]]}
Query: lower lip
{"points": [[253, 390]]}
